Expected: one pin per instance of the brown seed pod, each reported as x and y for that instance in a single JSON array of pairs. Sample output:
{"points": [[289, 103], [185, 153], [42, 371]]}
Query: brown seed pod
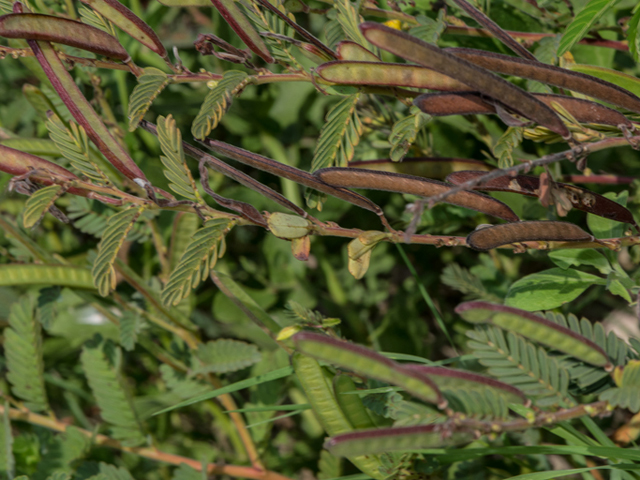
{"points": [[492, 237], [415, 50], [580, 198], [471, 103], [560, 77], [31, 26], [425, 187]]}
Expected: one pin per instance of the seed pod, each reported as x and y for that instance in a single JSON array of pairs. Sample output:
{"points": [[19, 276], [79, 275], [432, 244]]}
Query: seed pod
{"points": [[434, 167], [364, 361], [83, 112], [128, 22], [449, 378], [393, 439], [350, 403], [560, 77], [243, 28], [584, 111], [536, 328], [425, 187], [31, 26], [415, 50], [348, 50], [498, 235], [288, 226], [580, 198], [387, 74]]}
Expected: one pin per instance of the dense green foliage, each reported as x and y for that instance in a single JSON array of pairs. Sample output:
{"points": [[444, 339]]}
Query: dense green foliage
{"points": [[153, 336]]}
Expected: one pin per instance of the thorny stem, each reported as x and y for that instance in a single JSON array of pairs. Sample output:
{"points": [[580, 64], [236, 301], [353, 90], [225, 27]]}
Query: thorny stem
{"points": [[236, 471]]}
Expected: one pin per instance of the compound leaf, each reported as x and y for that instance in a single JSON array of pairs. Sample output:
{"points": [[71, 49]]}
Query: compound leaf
{"points": [[582, 22], [149, 86], [404, 133], [175, 166], [38, 204], [225, 355]]}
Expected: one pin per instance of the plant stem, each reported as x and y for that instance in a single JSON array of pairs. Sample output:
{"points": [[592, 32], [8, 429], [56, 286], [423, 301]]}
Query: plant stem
{"points": [[236, 471]]}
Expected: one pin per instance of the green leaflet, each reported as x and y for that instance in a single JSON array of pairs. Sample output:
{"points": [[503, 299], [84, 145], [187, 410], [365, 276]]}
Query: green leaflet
{"points": [[225, 356], [506, 144], [129, 328], [338, 136], [184, 226], [61, 451], [118, 227], [38, 204], [196, 262], [149, 86], [603, 227], [349, 18], [101, 361], [405, 132], [550, 289], [6, 6], [93, 18], [34, 146], [627, 393], [217, 103], [38, 274], [429, 29], [571, 257], [175, 166], [73, 144], [7, 461], [180, 384], [267, 21], [23, 351], [582, 22], [464, 281], [517, 362]]}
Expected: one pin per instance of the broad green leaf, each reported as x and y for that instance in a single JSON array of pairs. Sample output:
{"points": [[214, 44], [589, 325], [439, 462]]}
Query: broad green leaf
{"points": [[74, 146], [118, 227], [217, 103], [582, 22], [196, 262], [234, 387], [574, 257], [38, 204], [175, 166], [628, 82], [550, 289], [149, 86], [23, 351], [225, 355], [101, 361], [37, 274], [603, 228]]}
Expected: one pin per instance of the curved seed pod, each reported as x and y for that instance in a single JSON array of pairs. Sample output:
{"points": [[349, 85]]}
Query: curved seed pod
{"points": [[291, 173], [425, 187], [364, 361], [560, 77], [14, 162], [498, 235], [82, 111], [536, 328], [317, 388], [580, 198], [350, 403], [430, 56], [128, 22], [243, 28], [348, 50], [31, 26], [460, 379], [387, 74], [471, 103], [429, 167], [393, 439]]}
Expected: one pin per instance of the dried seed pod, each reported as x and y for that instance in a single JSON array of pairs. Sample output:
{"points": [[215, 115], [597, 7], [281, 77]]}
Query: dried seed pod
{"points": [[387, 74], [471, 103], [498, 235], [560, 77], [396, 182], [31, 26], [579, 197], [476, 78], [348, 50], [367, 362], [449, 378], [536, 328], [128, 22]]}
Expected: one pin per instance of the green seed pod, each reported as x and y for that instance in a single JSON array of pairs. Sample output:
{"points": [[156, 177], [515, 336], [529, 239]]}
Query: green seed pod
{"points": [[350, 403], [287, 226], [536, 328], [348, 50]]}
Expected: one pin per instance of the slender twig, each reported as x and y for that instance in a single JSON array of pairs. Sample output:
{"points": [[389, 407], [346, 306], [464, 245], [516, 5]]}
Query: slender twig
{"points": [[236, 471]]}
